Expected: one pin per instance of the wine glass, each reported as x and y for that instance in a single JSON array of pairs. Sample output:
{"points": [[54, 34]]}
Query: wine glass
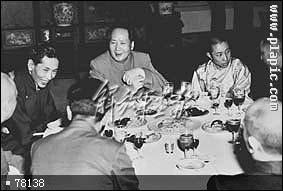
{"points": [[214, 96], [138, 143], [167, 91], [238, 98], [186, 89], [228, 103], [108, 132], [233, 125], [186, 142]]}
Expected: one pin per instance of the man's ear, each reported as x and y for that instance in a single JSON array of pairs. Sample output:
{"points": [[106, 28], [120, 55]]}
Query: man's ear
{"points": [[69, 113], [132, 45], [31, 65], [209, 55]]}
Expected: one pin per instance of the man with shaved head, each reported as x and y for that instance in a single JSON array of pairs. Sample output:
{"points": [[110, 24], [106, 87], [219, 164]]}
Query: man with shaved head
{"points": [[8, 105], [263, 140], [8, 97], [263, 131]]}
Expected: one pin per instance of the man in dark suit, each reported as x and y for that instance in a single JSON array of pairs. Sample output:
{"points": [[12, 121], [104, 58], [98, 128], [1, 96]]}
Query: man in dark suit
{"points": [[79, 149], [263, 140]]}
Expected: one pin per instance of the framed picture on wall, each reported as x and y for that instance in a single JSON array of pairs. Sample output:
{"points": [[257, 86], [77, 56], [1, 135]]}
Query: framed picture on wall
{"points": [[98, 11], [96, 33], [18, 38], [64, 34]]}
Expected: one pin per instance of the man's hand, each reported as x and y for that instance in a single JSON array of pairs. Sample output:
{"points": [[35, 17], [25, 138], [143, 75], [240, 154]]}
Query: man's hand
{"points": [[134, 77]]}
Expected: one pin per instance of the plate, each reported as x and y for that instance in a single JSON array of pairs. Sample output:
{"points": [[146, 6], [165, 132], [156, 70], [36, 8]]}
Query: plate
{"points": [[146, 112], [153, 137], [207, 127], [190, 164], [171, 125], [195, 112]]}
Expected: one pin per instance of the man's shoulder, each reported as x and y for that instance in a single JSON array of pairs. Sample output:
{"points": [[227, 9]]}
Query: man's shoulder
{"points": [[110, 142], [202, 67], [244, 181], [36, 145], [101, 59], [140, 55], [20, 77], [237, 64]]}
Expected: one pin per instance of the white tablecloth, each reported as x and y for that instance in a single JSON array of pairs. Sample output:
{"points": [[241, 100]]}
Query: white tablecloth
{"points": [[155, 161], [215, 147]]}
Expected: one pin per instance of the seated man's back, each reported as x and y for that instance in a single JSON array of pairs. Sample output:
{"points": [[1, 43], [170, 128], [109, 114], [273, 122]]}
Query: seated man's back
{"points": [[262, 138], [79, 149]]}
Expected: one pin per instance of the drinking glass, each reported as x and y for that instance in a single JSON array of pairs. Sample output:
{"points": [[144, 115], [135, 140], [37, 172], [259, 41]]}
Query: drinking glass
{"points": [[108, 132], [186, 89], [238, 98], [186, 142], [214, 96], [233, 125], [228, 103], [138, 143], [167, 91]]}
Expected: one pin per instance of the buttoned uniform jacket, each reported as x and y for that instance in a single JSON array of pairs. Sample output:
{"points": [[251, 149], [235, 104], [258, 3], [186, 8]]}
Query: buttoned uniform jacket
{"points": [[34, 110], [105, 67], [80, 150]]}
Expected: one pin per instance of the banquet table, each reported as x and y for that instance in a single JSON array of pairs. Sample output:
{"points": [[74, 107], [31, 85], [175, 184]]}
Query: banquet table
{"points": [[213, 149]]}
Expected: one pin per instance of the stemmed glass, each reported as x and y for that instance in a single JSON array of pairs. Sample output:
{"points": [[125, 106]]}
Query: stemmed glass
{"points": [[233, 125], [108, 132], [138, 143], [238, 98], [186, 142], [186, 88], [214, 96], [228, 103], [167, 91]]}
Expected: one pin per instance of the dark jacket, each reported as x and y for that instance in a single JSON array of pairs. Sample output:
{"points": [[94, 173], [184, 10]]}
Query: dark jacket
{"points": [[35, 108], [266, 176], [80, 150]]}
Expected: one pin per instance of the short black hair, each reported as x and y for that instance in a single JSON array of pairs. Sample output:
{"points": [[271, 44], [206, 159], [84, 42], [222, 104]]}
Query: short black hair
{"points": [[81, 97], [216, 39], [126, 26], [83, 89], [38, 52]]}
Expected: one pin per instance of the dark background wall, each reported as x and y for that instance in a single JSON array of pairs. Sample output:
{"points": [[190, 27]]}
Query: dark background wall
{"points": [[176, 42]]}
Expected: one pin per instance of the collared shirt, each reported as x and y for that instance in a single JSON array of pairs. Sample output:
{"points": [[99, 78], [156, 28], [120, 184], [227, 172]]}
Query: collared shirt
{"points": [[235, 75]]}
